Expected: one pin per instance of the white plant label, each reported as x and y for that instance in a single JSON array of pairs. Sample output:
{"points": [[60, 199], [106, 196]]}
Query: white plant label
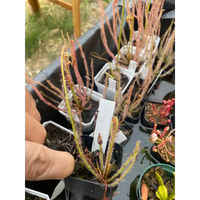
{"points": [[120, 137], [141, 69], [76, 118], [112, 84], [144, 73], [132, 66], [104, 117], [157, 41]]}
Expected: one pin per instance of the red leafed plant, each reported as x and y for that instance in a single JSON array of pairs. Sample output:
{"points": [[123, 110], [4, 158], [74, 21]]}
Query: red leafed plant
{"points": [[80, 95], [160, 111], [162, 141], [102, 170]]}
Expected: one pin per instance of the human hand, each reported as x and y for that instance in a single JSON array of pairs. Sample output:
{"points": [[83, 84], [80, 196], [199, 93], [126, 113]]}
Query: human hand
{"points": [[42, 163]]}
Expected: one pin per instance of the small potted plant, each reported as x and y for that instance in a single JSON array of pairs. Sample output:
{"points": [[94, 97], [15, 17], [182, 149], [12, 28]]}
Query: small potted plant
{"points": [[134, 52], [102, 171], [163, 150], [112, 77], [58, 137], [157, 112], [157, 182], [129, 107], [84, 100]]}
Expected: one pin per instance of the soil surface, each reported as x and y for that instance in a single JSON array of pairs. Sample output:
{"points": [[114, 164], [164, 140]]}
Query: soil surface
{"points": [[32, 197], [152, 183], [152, 116], [124, 79], [80, 171], [58, 139]]}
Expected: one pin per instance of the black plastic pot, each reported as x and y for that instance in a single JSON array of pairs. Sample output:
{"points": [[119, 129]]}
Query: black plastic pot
{"points": [[151, 124], [174, 123], [76, 188], [126, 127], [135, 120]]}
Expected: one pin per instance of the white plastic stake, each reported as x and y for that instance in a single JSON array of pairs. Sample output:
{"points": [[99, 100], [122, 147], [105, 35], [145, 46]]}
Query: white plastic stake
{"points": [[144, 73], [58, 189], [132, 66], [112, 84], [104, 117], [155, 81], [120, 137], [36, 193]]}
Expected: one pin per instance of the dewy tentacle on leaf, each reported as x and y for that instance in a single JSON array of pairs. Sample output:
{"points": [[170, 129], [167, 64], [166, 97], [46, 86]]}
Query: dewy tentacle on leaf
{"points": [[126, 167]]}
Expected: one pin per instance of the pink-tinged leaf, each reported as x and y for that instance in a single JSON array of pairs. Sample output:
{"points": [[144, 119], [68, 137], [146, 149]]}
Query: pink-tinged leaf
{"points": [[144, 192]]}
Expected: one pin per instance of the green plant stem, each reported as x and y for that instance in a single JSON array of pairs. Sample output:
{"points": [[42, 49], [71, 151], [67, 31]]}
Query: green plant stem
{"points": [[147, 14], [101, 158], [74, 94], [110, 76], [110, 147], [130, 35], [120, 34], [80, 150], [111, 70]]}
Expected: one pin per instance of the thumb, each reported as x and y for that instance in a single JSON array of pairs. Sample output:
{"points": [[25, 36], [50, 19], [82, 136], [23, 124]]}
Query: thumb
{"points": [[43, 163]]}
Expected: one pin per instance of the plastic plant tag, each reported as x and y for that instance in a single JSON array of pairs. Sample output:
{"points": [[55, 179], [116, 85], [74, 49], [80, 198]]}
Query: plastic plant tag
{"points": [[132, 66], [144, 73], [103, 122], [112, 84], [58, 189], [76, 117], [36, 193], [120, 137], [149, 40]]}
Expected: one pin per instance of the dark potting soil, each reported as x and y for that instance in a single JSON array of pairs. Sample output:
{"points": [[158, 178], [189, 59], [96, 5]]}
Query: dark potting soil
{"points": [[58, 139], [80, 171], [153, 117], [32, 197], [124, 79], [87, 115], [126, 130], [152, 183]]}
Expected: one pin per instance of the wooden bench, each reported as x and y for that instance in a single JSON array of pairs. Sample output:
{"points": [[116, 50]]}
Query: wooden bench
{"points": [[74, 7]]}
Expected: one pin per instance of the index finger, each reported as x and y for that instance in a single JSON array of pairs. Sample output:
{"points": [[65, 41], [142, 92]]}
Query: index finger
{"points": [[30, 106], [28, 97]]}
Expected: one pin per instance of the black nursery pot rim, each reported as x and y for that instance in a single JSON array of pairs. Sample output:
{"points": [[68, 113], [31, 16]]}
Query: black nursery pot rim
{"points": [[78, 186], [86, 188], [135, 120]]}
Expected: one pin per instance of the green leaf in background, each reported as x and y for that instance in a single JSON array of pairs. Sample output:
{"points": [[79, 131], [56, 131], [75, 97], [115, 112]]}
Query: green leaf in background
{"points": [[161, 193]]}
